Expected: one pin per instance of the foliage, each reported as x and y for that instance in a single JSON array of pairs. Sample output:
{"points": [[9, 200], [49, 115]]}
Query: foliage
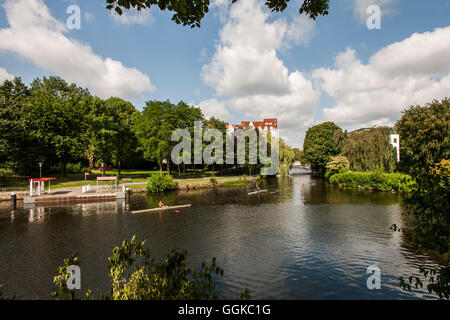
{"points": [[135, 275], [191, 12], [424, 136], [160, 183], [287, 156], [374, 180], [76, 168], [57, 115], [428, 206], [337, 164], [319, 145], [113, 136], [213, 181], [154, 127], [18, 149], [368, 150]]}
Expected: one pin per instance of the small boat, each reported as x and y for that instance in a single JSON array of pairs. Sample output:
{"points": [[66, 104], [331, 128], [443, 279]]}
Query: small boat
{"points": [[256, 192], [163, 208]]}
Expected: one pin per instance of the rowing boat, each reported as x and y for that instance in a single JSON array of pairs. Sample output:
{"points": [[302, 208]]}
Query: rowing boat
{"points": [[163, 208], [256, 192]]}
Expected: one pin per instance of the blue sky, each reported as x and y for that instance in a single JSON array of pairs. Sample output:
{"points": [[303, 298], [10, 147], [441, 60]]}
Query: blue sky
{"points": [[244, 63]]}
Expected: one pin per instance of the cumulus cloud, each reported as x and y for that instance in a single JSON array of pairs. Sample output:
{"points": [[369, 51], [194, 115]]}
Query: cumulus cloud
{"points": [[36, 35], [247, 73], [133, 16], [215, 108], [413, 71], [4, 75]]}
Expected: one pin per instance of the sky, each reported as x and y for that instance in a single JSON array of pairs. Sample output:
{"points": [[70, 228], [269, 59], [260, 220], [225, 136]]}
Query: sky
{"points": [[245, 62]]}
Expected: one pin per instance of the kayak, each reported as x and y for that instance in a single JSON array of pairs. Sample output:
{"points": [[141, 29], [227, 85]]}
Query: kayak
{"points": [[256, 192], [163, 208]]}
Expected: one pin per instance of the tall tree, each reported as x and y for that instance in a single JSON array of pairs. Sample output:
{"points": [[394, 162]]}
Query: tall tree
{"points": [[113, 130], [18, 149], [156, 123], [369, 150], [191, 12], [319, 145], [424, 136], [58, 117]]}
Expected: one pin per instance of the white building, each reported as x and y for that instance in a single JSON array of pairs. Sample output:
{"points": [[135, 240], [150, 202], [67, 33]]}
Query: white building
{"points": [[395, 141]]}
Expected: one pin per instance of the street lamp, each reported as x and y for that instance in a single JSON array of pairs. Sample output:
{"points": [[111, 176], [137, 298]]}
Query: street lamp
{"points": [[40, 169]]}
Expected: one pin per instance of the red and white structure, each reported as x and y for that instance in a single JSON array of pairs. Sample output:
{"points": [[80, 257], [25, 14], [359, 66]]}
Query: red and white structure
{"points": [[37, 186]]}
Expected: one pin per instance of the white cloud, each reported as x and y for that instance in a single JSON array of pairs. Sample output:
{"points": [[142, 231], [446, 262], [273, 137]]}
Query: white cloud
{"points": [[132, 16], [37, 36], [413, 71], [247, 73], [214, 108], [4, 75]]}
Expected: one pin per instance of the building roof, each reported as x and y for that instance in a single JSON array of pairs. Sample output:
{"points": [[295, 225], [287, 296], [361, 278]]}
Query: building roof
{"points": [[265, 124]]}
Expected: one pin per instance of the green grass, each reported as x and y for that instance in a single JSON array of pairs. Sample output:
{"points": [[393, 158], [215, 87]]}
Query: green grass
{"points": [[127, 176]]}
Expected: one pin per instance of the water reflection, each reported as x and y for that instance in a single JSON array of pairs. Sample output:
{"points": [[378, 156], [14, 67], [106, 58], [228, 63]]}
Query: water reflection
{"points": [[303, 239]]}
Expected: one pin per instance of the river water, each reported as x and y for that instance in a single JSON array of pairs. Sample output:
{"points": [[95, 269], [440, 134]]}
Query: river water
{"points": [[303, 239]]}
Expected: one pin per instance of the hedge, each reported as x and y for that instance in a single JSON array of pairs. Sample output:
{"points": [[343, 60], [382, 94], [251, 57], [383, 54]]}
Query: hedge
{"points": [[374, 180]]}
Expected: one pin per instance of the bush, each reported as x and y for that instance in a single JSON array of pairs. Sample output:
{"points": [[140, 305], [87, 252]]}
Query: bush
{"points": [[374, 180], [135, 275], [160, 183], [337, 164], [76, 168]]}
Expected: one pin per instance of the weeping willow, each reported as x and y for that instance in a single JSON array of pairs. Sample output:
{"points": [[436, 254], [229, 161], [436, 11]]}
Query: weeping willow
{"points": [[369, 150]]}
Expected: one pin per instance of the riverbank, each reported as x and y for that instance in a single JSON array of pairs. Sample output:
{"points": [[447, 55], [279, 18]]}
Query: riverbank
{"points": [[141, 185]]}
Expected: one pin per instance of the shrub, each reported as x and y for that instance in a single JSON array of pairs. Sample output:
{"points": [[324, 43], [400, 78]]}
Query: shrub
{"points": [[135, 275], [213, 181], [76, 168], [160, 183], [375, 180], [337, 164]]}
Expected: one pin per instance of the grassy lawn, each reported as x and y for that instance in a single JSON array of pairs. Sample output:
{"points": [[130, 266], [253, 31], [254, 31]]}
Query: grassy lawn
{"points": [[127, 176]]}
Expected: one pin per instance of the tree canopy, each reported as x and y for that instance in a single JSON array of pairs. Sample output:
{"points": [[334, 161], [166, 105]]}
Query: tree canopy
{"points": [[369, 150], [319, 145], [191, 12], [424, 135]]}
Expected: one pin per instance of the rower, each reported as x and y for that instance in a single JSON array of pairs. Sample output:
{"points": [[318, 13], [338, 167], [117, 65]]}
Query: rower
{"points": [[161, 204]]}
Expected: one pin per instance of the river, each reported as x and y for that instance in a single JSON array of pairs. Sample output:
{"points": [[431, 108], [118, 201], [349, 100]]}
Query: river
{"points": [[303, 239]]}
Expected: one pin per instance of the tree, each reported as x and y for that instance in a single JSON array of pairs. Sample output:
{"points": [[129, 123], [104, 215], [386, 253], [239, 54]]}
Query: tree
{"points": [[287, 156], [18, 149], [429, 205], [191, 12], [113, 130], [424, 136], [337, 164], [319, 145], [57, 116], [135, 275], [154, 127], [368, 150]]}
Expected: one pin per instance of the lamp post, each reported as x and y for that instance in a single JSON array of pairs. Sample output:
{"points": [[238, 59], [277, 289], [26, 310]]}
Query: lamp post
{"points": [[40, 169], [103, 169]]}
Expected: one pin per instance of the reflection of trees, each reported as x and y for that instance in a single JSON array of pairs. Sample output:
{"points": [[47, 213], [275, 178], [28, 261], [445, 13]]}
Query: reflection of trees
{"points": [[319, 191]]}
